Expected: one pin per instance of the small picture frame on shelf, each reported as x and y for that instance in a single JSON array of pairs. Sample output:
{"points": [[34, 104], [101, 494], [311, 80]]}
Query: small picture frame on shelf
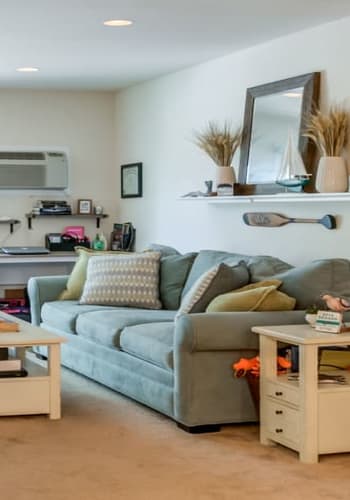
{"points": [[84, 207], [131, 180]]}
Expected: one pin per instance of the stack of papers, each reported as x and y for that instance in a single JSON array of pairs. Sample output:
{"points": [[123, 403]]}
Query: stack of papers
{"points": [[323, 378]]}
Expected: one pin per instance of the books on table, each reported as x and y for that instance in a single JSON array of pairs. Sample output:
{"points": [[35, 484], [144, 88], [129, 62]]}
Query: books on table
{"points": [[10, 364], [12, 368], [8, 326]]}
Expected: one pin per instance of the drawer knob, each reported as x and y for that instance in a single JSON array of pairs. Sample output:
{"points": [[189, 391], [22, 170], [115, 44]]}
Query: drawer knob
{"points": [[278, 393], [278, 430], [279, 412]]}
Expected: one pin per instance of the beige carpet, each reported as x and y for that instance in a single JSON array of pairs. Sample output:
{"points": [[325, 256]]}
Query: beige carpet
{"points": [[109, 447]]}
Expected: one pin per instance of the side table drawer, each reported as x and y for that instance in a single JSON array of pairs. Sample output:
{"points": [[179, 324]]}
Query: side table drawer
{"points": [[282, 392], [27, 396], [282, 423]]}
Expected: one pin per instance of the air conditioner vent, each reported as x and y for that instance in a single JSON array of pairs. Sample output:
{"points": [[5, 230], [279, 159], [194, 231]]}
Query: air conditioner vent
{"points": [[21, 155], [35, 169]]}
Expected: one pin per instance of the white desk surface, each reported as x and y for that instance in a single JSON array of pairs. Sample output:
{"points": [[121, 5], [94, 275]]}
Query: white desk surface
{"points": [[38, 259]]}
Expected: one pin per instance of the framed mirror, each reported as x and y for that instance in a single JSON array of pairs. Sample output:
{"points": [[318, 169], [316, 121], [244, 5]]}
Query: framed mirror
{"points": [[274, 112]]}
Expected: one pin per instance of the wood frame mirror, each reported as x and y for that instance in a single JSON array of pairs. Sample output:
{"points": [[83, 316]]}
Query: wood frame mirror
{"points": [[271, 110]]}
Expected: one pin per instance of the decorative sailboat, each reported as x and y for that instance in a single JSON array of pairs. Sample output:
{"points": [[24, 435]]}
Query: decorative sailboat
{"points": [[292, 174]]}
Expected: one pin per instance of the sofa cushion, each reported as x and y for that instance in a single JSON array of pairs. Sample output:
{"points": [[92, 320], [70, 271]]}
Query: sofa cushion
{"points": [[164, 250], [151, 342], [105, 327], [63, 314], [262, 266], [261, 296], [174, 270], [307, 283], [207, 259], [77, 277], [220, 279], [123, 280]]}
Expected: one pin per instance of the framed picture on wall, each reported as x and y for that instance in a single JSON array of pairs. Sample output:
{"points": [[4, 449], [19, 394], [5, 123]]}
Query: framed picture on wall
{"points": [[84, 207], [131, 180]]}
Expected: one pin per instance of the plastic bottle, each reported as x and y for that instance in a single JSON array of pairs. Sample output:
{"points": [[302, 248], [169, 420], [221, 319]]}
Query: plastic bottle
{"points": [[98, 243]]}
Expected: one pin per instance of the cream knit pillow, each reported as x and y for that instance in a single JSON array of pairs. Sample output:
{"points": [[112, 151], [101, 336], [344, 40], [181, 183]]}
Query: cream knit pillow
{"points": [[123, 280]]}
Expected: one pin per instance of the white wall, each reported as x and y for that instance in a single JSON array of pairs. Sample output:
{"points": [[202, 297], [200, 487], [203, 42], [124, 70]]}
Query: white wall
{"points": [[154, 124], [83, 122]]}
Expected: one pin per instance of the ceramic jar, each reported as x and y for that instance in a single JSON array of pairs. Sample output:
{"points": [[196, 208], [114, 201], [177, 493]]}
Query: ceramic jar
{"points": [[225, 175], [332, 175]]}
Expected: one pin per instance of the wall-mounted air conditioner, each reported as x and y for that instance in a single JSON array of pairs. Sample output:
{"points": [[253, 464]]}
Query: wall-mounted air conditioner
{"points": [[33, 169]]}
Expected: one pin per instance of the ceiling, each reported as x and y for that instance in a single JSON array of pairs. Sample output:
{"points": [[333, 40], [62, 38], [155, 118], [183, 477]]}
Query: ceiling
{"points": [[67, 40]]}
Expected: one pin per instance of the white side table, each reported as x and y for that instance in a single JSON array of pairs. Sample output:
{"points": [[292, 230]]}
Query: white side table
{"points": [[306, 416], [40, 391]]}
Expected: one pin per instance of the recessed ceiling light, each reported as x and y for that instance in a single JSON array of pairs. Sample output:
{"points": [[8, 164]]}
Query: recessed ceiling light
{"points": [[117, 22], [27, 69]]}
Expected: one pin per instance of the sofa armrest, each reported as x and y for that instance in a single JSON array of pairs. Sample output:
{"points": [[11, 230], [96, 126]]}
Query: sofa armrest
{"points": [[227, 331], [43, 289]]}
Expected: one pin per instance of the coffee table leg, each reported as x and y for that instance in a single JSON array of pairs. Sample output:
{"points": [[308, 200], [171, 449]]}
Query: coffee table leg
{"points": [[54, 365]]}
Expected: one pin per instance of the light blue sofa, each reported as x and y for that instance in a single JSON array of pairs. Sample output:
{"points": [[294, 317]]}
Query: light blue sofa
{"points": [[181, 368]]}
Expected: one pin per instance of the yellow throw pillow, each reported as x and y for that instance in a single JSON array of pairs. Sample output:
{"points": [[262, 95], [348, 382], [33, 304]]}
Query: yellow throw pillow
{"points": [[261, 296], [259, 284], [77, 278]]}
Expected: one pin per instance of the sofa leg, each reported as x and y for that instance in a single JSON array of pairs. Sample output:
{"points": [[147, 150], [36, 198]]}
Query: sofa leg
{"points": [[199, 429]]}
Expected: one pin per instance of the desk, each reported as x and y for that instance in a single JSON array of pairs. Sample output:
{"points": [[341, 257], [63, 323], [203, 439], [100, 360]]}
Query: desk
{"points": [[17, 269]]}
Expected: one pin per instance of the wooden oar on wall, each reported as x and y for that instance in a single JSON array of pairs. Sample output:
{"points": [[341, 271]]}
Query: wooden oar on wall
{"points": [[271, 219]]}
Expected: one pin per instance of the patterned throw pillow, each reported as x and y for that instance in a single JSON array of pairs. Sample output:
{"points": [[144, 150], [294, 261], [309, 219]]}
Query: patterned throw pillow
{"points": [[218, 280], [123, 280], [77, 277]]}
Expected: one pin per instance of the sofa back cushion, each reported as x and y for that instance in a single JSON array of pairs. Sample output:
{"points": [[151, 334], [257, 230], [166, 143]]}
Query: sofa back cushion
{"points": [[217, 280], [262, 266], [123, 280], [207, 259], [164, 250], [174, 270], [309, 282]]}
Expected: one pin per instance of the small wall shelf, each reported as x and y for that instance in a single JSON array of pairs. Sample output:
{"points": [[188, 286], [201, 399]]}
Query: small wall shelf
{"points": [[274, 198], [98, 217], [11, 222]]}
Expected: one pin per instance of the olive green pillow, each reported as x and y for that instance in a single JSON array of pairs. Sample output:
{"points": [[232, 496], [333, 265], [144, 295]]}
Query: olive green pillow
{"points": [[76, 280], [261, 296]]}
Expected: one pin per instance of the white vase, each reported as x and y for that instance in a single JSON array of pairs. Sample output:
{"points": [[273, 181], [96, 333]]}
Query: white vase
{"points": [[225, 175], [332, 175]]}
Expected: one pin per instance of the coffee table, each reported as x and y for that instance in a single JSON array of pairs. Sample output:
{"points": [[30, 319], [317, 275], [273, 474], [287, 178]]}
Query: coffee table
{"points": [[40, 391]]}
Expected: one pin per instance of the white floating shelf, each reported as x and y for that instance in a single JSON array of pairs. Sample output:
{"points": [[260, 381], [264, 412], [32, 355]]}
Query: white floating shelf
{"points": [[274, 198]]}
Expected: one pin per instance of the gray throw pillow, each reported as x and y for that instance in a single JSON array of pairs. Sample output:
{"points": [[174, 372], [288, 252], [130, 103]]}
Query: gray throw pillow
{"points": [[174, 270], [307, 283], [206, 259], [216, 281]]}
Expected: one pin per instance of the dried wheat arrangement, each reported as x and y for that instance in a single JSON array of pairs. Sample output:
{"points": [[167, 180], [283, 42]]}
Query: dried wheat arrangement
{"points": [[219, 142], [329, 131]]}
